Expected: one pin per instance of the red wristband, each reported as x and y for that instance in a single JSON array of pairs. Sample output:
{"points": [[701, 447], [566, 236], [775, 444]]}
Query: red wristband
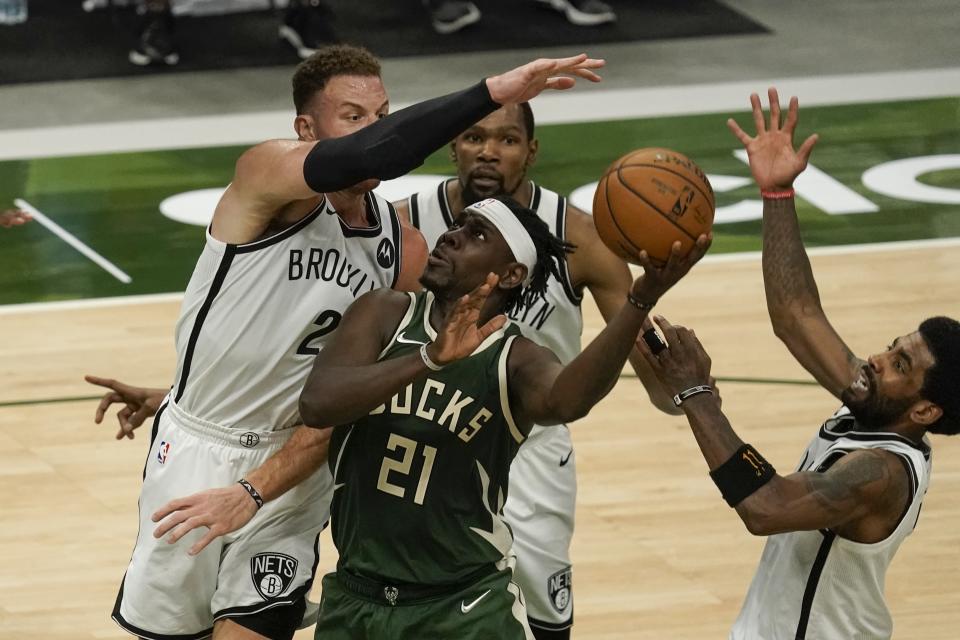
{"points": [[777, 195]]}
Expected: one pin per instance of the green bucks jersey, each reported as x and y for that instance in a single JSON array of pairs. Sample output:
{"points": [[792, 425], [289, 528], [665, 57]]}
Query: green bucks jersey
{"points": [[421, 481]]}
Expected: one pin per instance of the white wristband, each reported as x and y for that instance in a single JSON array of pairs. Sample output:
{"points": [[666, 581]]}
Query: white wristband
{"points": [[433, 366], [692, 391]]}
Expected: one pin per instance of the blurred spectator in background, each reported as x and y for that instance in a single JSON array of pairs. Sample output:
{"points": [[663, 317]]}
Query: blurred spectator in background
{"points": [[13, 11], [305, 27], [13, 218], [449, 16]]}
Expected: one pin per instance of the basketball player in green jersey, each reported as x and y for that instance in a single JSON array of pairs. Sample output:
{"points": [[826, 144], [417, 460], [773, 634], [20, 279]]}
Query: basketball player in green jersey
{"points": [[435, 392], [493, 157]]}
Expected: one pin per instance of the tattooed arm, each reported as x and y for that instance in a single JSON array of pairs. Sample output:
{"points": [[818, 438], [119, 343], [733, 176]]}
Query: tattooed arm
{"points": [[861, 497], [793, 301]]}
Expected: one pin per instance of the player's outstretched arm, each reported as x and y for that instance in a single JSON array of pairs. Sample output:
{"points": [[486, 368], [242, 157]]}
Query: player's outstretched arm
{"points": [[793, 300], [549, 394], [608, 279], [226, 509], [278, 172], [139, 403], [864, 484]]}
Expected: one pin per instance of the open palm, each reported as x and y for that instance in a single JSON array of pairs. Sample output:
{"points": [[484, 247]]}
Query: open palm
{"points": [[527, 82], [773, 161], [460, 335]]}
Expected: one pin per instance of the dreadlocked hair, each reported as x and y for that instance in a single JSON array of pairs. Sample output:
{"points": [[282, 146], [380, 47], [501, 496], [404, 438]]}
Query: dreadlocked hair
{"points": [[551, 252]]}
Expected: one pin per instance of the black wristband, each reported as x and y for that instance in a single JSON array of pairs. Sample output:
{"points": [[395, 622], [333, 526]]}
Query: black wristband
{"points": [[253, 492], [741, 475], [643, 306]]}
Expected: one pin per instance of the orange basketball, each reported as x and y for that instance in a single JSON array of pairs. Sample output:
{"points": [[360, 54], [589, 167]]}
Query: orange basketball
{"points": [[649, 199]]}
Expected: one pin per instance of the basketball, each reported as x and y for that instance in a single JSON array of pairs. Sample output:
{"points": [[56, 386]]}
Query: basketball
{"points": [[649, 199]]}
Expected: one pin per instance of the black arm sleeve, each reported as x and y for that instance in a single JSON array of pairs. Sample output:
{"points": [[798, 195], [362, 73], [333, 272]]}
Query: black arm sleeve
{"points": [[396, 144]]}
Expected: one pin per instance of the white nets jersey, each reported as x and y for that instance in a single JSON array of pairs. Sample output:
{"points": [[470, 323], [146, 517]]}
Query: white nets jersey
{"points": [[817, 585], [554, 321], [254, 315]]}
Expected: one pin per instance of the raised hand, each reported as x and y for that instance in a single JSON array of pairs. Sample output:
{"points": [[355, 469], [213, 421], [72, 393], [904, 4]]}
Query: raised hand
{"points": [[527, 82], [139, 403], [460, 335], [773, 161], [656, 281], [683, 364], [221, 511]]}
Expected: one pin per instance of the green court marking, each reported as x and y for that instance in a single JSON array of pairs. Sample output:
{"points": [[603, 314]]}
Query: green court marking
{"points": [[111, 201], [27, 403], [630, 374]]}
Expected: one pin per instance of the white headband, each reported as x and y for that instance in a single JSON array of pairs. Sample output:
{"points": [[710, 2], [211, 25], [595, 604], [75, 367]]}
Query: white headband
{"points": [[513, 232]]}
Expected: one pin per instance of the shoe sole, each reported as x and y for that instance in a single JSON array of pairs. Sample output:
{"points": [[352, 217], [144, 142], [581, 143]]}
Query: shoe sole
{"points": [[446, 28], [143, 60], [577, 17], [291, 37]]}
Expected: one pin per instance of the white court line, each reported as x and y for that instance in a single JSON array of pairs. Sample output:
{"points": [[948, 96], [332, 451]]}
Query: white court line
{"points": [[73, 241], [745, 256], [551, 108]]}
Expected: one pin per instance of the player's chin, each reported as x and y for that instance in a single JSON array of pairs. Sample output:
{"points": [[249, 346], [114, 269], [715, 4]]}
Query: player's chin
{"points": [[483, 189]]}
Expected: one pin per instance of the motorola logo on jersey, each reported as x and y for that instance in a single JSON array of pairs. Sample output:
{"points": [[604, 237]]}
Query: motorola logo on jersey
{"points": [[386, 254], [272, 573], [559, 586], [249, 439]]}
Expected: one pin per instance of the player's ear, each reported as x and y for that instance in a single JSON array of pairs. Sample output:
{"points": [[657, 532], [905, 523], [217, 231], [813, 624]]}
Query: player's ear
{"points": [[453, 151], [303, 125], [925, 413], [534, 147], [513, 276]]}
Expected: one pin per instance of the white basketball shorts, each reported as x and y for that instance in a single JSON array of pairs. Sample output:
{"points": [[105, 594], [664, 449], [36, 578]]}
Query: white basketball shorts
{"points": [[540, 510], [268, 563]]}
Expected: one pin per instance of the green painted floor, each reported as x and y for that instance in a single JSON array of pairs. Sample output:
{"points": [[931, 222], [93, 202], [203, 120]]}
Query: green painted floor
{"points": [[110, 201]]}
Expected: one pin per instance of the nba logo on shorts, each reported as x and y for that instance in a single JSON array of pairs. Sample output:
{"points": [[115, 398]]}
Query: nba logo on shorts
{"points": [[162, 451], [558, 586]]}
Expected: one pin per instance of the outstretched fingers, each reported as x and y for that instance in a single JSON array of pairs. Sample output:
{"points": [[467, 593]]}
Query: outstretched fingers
{"points": [[774, 99], [741, 135], [807, 147], [793, 116], [757, 114]]}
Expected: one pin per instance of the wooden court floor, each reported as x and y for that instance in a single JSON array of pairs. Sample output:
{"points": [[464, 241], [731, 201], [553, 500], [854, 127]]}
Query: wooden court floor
{"points": [[657, 553]]}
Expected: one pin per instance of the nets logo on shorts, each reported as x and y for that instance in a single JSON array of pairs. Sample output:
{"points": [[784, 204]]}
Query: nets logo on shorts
{"points": [[559, 587], [249, 439], [162, 451], [272, 573]]}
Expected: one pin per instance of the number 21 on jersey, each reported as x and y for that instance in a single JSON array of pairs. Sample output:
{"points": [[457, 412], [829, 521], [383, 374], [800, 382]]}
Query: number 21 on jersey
{"points": [[402, 466]]}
